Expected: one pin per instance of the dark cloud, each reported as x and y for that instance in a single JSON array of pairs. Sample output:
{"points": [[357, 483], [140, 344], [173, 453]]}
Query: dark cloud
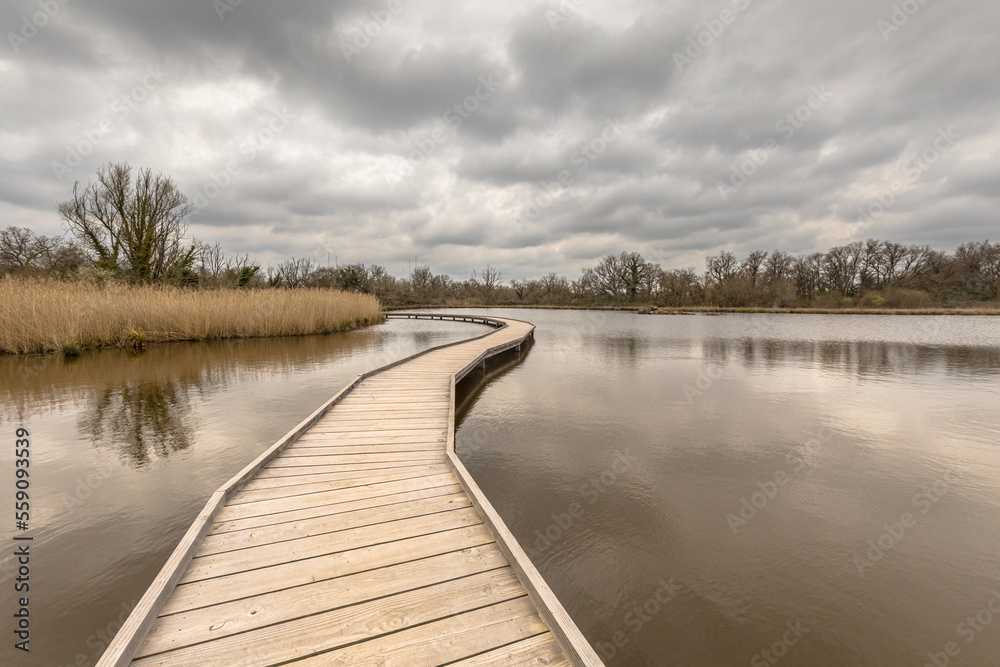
{"points": [[377, 164]]}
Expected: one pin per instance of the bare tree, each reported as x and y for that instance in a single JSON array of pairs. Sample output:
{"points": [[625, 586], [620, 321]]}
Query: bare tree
{"points": [[486, 282], [871, 272], [777, 267], [211, 259], [807, 272], [636, 274], [721, 267], [842, 266], [23, 251], [978, 269], [751, 266], [19, 248], [132, 226], [605, 279], [292, 273], [680, 287], [420, 279]]}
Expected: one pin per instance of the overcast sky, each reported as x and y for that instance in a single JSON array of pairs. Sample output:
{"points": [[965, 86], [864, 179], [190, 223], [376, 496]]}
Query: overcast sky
{"points": [[676, 128]]}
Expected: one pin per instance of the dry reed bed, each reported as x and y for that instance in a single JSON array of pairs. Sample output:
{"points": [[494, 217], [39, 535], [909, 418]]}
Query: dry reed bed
{"points": [[48, 315]]}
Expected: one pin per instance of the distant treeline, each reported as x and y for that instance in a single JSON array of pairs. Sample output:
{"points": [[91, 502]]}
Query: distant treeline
{"points": [[873, 273]]}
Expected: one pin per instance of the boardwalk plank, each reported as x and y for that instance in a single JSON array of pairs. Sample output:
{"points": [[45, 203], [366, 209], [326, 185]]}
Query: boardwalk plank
{"points": [[281, 473], [358, 623], [539, 650], [286, 492], [299, 573], [230, 618], [234, 511], [252, 537], [442, 641], [256, 558], [390, 498], [354, 542], [342, 472]]}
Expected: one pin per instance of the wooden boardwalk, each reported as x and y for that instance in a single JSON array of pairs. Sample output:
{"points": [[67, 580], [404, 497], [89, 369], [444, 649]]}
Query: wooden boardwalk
{"points": [[358, 539]]}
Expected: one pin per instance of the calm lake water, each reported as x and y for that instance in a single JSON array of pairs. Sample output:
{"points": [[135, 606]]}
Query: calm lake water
{"points": [[126, 449], [697, 489], [701, 489]]}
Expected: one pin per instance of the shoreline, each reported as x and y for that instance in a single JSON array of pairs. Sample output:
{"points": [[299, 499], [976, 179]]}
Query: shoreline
{"points": [[699, 310], [138, 340], [151, 341]]}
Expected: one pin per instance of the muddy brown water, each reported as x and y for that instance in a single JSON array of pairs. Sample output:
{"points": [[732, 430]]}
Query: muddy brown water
{"points": [[126, 449], [699, 490], [755, 489]]}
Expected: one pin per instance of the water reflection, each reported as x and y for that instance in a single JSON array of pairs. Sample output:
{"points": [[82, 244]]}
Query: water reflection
{"points": [[473, 384], [863, 358], [140, 405], [869, 359], [140, 421], [856, 416], [126, 449]]}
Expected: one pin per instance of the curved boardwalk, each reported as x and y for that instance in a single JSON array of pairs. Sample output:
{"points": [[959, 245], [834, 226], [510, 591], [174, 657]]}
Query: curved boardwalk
{"points": [[360, 539]]}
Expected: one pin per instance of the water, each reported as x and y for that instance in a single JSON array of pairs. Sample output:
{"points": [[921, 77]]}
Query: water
{"points": [[126, 449], [701, 489], [697, 489]]}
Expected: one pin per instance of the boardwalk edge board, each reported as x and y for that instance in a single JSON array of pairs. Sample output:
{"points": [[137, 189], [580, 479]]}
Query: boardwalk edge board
{"points": [[128, 640], [576, 647]]}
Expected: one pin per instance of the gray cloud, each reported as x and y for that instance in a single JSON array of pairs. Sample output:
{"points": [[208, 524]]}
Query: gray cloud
{"points": [[378, 165]]}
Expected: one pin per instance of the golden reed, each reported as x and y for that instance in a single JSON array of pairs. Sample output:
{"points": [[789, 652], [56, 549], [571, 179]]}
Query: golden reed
{"points": [[50, 315]]}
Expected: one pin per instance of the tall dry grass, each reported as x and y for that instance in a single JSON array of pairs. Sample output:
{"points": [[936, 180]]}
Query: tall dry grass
{"points": [[50, 315]]}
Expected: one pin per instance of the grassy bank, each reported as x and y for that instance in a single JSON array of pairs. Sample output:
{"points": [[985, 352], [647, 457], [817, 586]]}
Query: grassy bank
{"points": [[48, 315]]}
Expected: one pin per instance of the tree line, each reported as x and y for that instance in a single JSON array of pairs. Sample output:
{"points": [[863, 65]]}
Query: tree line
{"points": [[871, 273], [128, 226]]}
